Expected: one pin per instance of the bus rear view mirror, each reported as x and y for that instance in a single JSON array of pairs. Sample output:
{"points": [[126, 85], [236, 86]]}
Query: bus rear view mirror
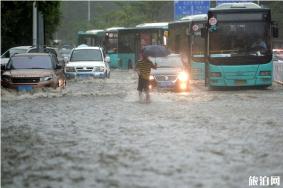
{"points": [[203, 32], [275, 30]]}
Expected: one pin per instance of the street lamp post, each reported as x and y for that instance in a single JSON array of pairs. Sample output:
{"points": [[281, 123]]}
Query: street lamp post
{"points": [[34, 25], [88, 10]]}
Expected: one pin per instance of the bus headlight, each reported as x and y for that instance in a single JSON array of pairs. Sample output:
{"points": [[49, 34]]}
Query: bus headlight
{"points": [[265, 73], [183, 76], [151, 77], [215, 74]]}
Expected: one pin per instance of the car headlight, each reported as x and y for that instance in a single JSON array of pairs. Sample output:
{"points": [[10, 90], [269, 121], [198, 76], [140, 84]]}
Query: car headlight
{"points": [[183, 76], [100, 69], [70, 69], [46, 78], [151, 77]]}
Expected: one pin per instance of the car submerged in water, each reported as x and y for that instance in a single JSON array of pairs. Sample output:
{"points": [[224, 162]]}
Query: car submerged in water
{"points": [[171, 74], [86, 61], [27, 71]]}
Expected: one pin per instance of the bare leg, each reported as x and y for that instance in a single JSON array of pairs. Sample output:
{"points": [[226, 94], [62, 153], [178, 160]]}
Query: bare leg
{"points": [[140, 96], [147, 97]]}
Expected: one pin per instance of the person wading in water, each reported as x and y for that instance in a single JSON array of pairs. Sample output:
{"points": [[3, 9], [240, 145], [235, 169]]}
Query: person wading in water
{"points": [[143, 69]]}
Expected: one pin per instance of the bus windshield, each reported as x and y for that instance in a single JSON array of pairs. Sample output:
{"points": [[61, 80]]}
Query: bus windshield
{"points": [[239, 40]]}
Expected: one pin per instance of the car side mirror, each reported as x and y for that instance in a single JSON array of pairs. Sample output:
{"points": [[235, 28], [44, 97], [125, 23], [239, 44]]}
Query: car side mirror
{"points": [[275, 30], [107, 59], [66, 59], [58, 66]]}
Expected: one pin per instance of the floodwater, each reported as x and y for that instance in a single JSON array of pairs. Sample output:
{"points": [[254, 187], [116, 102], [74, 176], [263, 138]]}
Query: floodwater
{"points": [[95, 133]]}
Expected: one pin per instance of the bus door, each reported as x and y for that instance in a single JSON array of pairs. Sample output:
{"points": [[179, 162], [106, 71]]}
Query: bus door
{"points": [[126, 49], [197, 52]]}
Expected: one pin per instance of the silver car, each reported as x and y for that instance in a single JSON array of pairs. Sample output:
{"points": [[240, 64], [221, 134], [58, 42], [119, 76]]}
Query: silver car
{"points": [[171, 74]]}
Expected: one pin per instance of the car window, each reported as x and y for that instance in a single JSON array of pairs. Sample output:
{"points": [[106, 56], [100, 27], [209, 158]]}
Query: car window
{"points": [[30, 62], [12, 52], [86, 55], [17, 51], [6, 54], [278, 55]]}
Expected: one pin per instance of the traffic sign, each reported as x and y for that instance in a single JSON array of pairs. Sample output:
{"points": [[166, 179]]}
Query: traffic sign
{"points": [[186, 8]]}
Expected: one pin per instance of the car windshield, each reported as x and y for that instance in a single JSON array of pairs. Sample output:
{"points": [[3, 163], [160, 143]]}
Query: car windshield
{"points": [[30, 62], [86, 55], [167, 62]]}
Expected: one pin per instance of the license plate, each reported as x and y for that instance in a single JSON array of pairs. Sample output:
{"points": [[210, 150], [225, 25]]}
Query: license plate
{"points": [[24, 88], [84, 75], [240, 82], [165, 84]]}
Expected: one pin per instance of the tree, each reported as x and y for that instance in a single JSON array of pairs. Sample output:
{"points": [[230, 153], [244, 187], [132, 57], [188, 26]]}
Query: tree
{"points": [[16, 26], [276, 14], [105, 14]]}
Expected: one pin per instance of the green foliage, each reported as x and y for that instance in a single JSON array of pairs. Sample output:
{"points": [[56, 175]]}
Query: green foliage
{"points": [[136, 12], [276, 14], [111, 14], [51, 14], [16, 28], [17, 20]]}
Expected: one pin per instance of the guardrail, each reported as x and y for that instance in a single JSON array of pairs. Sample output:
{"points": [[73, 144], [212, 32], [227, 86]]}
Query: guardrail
{"points": [[278, 71]]}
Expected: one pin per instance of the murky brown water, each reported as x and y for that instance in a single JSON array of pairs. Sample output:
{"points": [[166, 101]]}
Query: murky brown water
{"points": [[96, 134]]}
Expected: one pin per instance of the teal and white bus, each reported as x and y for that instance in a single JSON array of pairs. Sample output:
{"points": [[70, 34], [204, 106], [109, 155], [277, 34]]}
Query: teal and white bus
{"points": [[95, 37], [132, 40], [111, 45], [238, 45], [185, 39]]}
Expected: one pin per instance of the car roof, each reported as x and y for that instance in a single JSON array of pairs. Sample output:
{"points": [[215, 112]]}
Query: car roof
{"points": [[87, 47], [32, 54], [21, 47], [171, 55], [278, 50]]}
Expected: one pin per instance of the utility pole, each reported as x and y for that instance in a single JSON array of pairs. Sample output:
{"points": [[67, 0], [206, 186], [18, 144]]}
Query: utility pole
{"points": [[88, 10], [34, 25], [38, 28]]}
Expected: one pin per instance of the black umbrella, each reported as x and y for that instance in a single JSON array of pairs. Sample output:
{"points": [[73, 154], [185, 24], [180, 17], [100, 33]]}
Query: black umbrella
{"points": [[155, 51]]}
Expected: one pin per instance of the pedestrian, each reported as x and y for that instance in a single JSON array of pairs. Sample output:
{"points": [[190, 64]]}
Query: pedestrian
{"points": [[143, 69]]}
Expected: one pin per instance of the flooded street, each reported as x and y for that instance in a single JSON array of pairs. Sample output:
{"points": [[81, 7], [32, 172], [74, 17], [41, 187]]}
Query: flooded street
{"points": [[95, 133]]}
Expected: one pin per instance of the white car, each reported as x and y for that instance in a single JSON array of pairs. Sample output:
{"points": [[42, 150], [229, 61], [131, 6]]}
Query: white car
{"points": [[86, 61], [15, 50]]}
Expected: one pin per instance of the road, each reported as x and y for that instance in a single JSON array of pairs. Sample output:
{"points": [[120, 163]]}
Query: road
{"points": [[95, 133]]}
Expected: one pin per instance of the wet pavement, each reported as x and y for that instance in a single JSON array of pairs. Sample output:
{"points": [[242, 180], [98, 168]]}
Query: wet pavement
{"points": [[95, 133]]}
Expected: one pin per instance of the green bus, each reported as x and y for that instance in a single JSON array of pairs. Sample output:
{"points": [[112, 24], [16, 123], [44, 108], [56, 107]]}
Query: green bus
{"points": [[111, 45], [95, 37], [239, 45], [132, 40], [185, 39]]}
